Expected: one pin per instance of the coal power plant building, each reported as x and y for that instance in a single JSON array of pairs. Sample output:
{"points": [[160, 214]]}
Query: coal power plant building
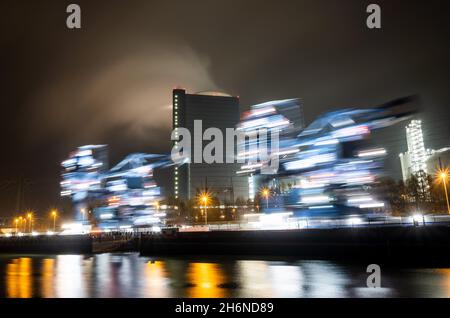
{"points": [[218, 110]]}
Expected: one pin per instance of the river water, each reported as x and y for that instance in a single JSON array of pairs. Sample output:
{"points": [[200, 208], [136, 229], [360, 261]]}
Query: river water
{"points": [[129, 275]]}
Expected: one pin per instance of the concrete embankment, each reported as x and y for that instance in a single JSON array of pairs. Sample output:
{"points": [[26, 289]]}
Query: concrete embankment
{"points": [[70, 244], [399, 245]]}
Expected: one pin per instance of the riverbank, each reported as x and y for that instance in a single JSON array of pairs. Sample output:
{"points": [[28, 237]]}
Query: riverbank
{"points": [[57, 244], [397, 245], [424, 245]]}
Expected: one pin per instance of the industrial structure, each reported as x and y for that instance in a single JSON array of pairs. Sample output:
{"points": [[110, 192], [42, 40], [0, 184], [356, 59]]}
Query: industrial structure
{"points": [[123, 197], [329, 166], [414, 161], [213, 109]]}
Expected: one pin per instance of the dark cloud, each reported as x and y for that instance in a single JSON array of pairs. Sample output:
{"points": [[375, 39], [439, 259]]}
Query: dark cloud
{"points": [[132, 92]]}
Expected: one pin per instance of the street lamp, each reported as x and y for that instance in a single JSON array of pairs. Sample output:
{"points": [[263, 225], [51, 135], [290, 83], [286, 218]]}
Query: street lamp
{"points": [[16, 221], [204, 199], [443, 174], [30, 217], [54, 213], [265, 193]]}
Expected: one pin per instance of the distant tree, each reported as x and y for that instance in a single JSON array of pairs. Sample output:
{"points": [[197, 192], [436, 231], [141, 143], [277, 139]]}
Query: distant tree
{"points": [[418, 190], [437, 197], [240, 201]]}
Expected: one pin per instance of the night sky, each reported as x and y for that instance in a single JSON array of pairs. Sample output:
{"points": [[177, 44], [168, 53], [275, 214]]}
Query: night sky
{"points": [[110, 82]]}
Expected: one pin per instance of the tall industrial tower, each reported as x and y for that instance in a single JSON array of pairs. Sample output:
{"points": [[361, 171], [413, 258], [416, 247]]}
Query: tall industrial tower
{"points": [[214, 110], [414, 161]]}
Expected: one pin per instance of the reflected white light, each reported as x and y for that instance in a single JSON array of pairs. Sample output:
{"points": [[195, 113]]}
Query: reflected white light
{"points": [[251, 166], [274, 221], [287, 280], [351, 131], [359, 199], [69, 278], [262, 111], [287, 152], [156, 229], [320, 207], [371, 205], [310, 162], [74, 229], [372, 153], [315, 199], [327, 142], [354, 221]]}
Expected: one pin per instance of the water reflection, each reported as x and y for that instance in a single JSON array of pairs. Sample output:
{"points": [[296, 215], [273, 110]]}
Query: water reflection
{"points": [[445, 272], [19, 278], [205, 280], [156, 279], [128, 275], [254, 282], [326, 278], [48, 278]]}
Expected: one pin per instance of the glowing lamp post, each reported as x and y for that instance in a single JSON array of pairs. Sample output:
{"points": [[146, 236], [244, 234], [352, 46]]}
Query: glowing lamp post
{"points": [[444, 176], [204, 199], [265, 193], [30, 217], [54, 220], [16, 222]]}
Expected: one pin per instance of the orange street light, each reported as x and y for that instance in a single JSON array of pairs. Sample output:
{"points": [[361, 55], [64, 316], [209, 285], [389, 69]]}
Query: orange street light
{"points": [[54, 214], [443, 174], [266, 193], [30, 217], [204, 198], [16, 222]]}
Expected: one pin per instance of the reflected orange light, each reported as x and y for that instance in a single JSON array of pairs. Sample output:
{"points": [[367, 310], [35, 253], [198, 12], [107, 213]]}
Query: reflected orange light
{"points": [[48, 278], [156, 279], [19, 278], [205, 279]]}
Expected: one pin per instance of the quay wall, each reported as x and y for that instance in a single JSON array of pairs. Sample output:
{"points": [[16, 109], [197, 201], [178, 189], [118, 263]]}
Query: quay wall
{"points": [[427, 244], [70, 244]]}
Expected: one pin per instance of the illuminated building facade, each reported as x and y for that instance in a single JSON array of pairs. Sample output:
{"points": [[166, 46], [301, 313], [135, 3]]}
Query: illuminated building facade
{"points": [[216, 110], [125, 196], [285, 116], [414, 161], [329, 166]]}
